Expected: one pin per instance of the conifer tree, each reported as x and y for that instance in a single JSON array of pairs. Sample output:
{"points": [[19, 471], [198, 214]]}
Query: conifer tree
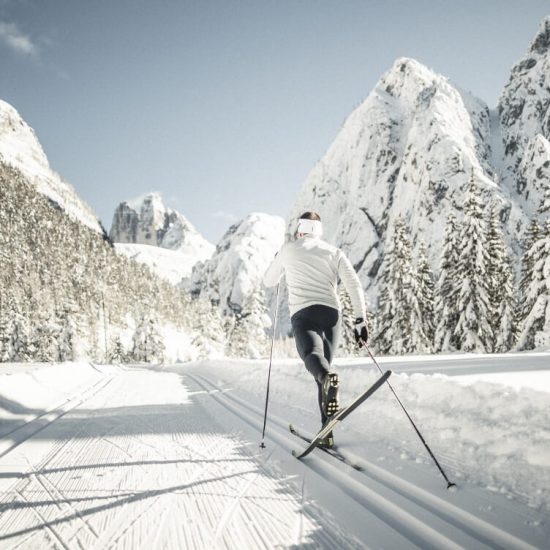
{"points": [[397, 301], [500, 287], [209, 331], [348, 345], [535, 327], [422, 322], [524, 305], [117, 354], [447, 291], [248, 336], [473, 329]]}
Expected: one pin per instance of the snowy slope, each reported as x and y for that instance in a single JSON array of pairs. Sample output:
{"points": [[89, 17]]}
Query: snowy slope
{"points": [[171, 265], [241, 258], [20, 148], [135, 450], [524, 109], [408, 150]]}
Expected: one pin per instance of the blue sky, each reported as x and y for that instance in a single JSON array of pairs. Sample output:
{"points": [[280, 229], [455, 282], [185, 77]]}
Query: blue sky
{"points": [[224, 106]]}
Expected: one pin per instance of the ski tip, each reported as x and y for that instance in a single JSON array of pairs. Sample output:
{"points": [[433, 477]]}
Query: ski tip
{"points": [[294, 454]]}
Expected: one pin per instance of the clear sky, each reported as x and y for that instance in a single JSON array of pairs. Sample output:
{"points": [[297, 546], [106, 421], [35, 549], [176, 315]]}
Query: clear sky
{"points": [[224, 106]]}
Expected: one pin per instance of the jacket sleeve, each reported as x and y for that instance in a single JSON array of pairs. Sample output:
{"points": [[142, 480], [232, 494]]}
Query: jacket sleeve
{"points": [[275, 270], [353, 285]]}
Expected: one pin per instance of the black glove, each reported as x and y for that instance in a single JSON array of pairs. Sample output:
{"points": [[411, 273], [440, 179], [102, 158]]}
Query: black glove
{"points": [[361, 331]]}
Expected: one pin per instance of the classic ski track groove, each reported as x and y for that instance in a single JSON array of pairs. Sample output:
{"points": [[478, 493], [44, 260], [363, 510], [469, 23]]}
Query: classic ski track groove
{"points": [[81, 487], [47, 526], [480, 530], [19, 435]]}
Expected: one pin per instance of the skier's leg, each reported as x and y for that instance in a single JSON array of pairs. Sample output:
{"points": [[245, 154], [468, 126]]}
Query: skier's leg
{"points": [[331, 338], [315, 330], [309, 343], [320, 398]]}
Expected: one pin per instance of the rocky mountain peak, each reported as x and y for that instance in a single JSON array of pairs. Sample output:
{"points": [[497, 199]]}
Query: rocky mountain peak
{"points": [[524, 111], [541, 43], [146, 220]]}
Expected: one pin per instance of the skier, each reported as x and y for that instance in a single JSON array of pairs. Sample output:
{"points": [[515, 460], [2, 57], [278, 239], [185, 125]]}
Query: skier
{"points": [[312, 268]]}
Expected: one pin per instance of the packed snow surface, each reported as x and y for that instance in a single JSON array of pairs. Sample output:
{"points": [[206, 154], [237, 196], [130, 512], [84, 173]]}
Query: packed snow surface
{"points": [[168, 456]]}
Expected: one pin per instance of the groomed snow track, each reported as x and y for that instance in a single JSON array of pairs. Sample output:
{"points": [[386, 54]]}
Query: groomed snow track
{"points": [[418, 515], [170, 458]]}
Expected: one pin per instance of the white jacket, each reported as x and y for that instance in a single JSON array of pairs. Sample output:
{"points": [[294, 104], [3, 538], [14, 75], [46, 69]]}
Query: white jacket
{"points": [[312, 268]]}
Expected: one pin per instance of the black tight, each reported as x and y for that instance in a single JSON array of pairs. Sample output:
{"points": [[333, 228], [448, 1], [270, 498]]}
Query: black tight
{"points": [[316, 333]]}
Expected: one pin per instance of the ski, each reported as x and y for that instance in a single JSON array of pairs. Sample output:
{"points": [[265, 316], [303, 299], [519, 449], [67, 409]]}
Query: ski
{"points": [[332, 452], [341, 414]]}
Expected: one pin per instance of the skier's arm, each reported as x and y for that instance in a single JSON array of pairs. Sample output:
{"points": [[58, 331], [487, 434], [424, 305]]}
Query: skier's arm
{"points": [[353, 285], [275, 270]]}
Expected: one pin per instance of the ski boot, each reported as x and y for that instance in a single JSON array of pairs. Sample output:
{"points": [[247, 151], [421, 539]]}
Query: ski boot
{"points": [[327, 442], [330, 393]]}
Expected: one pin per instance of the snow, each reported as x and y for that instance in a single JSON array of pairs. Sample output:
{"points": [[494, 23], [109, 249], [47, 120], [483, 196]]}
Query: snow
{"points": [[171, 265], [127, 452], [237, 267]]}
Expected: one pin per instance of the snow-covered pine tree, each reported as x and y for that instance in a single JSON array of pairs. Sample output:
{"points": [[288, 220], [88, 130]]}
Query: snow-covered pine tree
{"points": [[67, 336], [535, 326], [117, 354], [209, 331], [473, 329], [348, 345], [524, 305], [423, 291], [447, 291], [501, 287], [21, 340], [148, 346], [397, 303], [248, 336], [45, 338]]}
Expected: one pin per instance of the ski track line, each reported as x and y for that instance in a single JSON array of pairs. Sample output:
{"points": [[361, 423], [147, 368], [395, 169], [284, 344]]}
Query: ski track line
{"points": [[82, 446], [479, 529], [413, 528], [250, 528], [45, 523], [21, 434], [93, 453], [61, 499]]}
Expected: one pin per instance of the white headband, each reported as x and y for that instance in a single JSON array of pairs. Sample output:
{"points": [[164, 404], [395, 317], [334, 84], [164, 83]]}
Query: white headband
{"points": [[311, 227]]}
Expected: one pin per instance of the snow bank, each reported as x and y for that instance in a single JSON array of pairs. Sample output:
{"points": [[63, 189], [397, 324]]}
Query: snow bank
{"points": [[29, 390], [485, 433]]}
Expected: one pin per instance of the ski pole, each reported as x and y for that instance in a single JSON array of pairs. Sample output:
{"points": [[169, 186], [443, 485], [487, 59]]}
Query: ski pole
{"points": [[262, 444], [449, 483]]}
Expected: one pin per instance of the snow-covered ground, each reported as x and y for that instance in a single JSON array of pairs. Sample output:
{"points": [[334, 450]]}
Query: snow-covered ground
{"points": [[168, 456]]}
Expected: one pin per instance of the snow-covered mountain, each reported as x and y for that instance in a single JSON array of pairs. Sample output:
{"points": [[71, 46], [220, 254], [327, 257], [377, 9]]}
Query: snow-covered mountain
{"points": [[408, 151], [174, 245], [20, 148], [524, 110], [237, 266]]}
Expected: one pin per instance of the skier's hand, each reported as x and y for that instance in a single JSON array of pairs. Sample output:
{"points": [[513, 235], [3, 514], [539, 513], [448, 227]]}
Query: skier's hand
{"points": [[361, 331]]}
